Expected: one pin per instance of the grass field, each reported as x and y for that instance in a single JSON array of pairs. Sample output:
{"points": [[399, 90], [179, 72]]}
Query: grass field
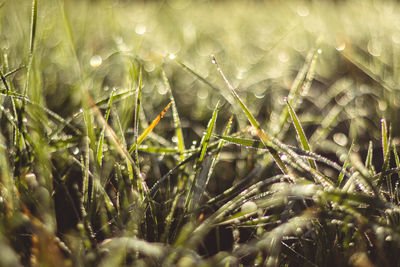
{"points": [[199, 133]]}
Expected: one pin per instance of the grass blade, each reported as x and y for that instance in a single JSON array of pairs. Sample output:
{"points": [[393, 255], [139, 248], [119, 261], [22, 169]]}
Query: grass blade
{"points": [[386, 156], [346, 162], [99, 154], [202, 183], [137, 111], [300, 132], [201, 169], [149, 129], [264, 138], [177, 122], [368, 160]]}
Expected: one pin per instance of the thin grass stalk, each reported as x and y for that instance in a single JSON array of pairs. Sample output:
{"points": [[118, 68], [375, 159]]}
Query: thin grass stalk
{"points": [[300, 133], [199, 163], [177, 121], [264, 138]]}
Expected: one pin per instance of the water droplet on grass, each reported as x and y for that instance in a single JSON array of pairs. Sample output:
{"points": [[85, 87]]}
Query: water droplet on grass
{"points": [[341, 47], [75, 151], [340, 139], [249, 207], [140, 29], [96, 61], [213, 60]]}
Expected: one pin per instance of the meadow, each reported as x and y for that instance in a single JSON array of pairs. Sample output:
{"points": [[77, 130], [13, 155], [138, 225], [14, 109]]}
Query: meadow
{"points": [[199, 133]]}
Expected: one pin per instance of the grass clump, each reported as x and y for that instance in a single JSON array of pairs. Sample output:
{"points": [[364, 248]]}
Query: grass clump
{"points": [[123, 143]]}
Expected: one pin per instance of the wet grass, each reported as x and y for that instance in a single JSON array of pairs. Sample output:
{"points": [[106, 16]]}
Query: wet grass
{"points": [[199, 133]]}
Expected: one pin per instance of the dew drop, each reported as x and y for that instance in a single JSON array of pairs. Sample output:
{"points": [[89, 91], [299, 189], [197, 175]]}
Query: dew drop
{"points": [[171, 56], [75, 151], [162, 90], [340, 139], [140, 29], [382, 105], [213, 60], [283, 157], [96, 61], [341, 47], [319, 51], [249, 207]]}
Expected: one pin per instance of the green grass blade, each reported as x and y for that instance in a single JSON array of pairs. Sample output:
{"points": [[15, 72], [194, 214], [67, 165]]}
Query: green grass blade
{"points": [[396, 157], [199, 163], [368, 159], [203, 182], [177, 122], [31, 44], [33, 26], [300, 133], [257, 144], [99, 154], [137, 111], [264, 138], [345, 164], [386, 154]]}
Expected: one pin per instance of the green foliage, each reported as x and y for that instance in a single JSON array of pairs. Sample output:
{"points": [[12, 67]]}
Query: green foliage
{"points": [[123, 144]]}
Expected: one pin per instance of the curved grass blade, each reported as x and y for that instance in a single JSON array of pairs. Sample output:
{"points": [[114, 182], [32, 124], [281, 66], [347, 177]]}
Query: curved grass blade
{"points": [[368, 159], [31, 44], [396, 157], [175, 115], [219, 148], [149, 128], [201, 167], [99, 154], [137, 111], [345, 164], [264, 138], [386, 155], [300, 132]]}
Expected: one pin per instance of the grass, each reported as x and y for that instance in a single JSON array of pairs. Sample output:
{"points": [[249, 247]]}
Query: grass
{"points": [[199, 133]]}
